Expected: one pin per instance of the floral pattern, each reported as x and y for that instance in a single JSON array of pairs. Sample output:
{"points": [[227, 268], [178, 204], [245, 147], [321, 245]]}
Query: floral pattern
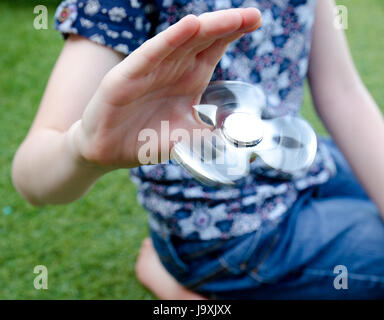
{"points": [[275, 56], [66, 15]]}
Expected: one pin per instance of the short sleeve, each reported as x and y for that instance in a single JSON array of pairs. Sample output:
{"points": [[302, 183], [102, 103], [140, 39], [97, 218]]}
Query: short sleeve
{"points": [[122, 25]]}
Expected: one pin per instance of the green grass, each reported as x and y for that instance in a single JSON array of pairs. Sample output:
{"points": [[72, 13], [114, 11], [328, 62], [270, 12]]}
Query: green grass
{"points": [[90, 246]]}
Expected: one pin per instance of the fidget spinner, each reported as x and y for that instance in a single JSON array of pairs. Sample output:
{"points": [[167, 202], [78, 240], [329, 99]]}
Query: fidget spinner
{"points": [[241, 131]]}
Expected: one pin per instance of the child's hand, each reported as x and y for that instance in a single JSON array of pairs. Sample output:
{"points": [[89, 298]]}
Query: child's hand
{"points": [[160, 80]]}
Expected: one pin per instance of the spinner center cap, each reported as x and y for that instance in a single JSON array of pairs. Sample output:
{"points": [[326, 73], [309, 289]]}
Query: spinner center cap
{"points": [[243, 129]]}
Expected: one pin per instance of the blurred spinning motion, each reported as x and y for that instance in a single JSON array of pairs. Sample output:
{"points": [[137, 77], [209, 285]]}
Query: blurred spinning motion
{"points": [[241, 131]]}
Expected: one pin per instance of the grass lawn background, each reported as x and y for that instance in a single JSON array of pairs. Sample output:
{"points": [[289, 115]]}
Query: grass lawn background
{"points": [[90, 246]]}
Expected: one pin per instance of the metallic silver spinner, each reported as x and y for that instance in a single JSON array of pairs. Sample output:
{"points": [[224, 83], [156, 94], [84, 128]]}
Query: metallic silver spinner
{"points": [[240, 131]]}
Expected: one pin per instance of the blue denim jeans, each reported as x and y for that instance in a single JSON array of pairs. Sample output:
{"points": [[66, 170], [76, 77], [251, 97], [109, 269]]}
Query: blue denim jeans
{"points": [[330, 225]]}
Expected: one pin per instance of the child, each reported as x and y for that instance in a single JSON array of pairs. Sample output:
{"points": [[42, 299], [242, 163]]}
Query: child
{"points": [[262, 238]]}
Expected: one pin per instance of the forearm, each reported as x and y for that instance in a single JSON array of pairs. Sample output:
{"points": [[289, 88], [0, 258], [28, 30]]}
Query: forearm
{"points": [[47, 170], [356, 124]]}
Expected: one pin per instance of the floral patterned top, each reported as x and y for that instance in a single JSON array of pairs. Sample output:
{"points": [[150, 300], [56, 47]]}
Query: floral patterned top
{"points": [[275, 57]]}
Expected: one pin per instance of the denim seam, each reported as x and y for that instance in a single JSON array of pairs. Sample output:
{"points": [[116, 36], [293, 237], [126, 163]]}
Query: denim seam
{"points": [[224, 264], [202, 252], [353, 276], [254, 273], [181, 266], [245, 257], [212, 275], [255, 241]]}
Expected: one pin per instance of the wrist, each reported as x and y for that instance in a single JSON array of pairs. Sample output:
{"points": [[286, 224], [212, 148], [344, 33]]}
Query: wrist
{"points": [[74, 140]]}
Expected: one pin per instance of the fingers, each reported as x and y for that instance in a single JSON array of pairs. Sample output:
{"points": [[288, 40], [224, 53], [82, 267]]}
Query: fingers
{"points": [[218, 23], [224, 23], [190, 35], [149, 55], [212, 55], [230, 24], [251, 20]]}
